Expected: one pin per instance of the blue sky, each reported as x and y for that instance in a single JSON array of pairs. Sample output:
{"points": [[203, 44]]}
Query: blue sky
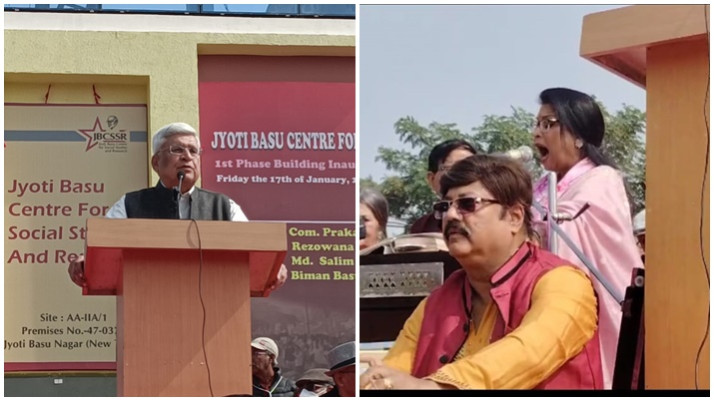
{"points": [[457, 63]]}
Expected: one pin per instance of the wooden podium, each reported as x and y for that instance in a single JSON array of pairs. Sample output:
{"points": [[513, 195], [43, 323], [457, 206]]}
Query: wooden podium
{"points": [[183, 299], [665, 50]]}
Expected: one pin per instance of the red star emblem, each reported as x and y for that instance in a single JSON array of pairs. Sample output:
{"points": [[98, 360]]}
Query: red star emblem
{"points": [[88, 133]]}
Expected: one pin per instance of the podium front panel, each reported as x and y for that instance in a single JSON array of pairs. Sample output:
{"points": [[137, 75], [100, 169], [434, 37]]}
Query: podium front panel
{"points": [[180, 318]]}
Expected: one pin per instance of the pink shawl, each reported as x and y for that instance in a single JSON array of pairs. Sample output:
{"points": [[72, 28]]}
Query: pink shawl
{"points": [[603, 233]]}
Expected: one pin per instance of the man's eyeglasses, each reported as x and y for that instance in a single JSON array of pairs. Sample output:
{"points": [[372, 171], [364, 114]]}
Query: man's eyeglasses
{"points": [[463, 205], [545, 123], [179, 150]]}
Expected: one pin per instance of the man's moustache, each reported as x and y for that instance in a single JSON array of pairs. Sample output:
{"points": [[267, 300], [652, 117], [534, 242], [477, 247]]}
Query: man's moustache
{"points": [[455, 227]]}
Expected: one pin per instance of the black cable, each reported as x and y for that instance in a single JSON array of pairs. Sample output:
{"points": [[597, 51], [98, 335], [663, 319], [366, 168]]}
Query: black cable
{"points": [[203, 306], [701, 209]]}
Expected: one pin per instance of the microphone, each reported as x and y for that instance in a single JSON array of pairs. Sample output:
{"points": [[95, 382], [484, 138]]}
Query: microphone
{"points": [[523, 153], [180, 176]]}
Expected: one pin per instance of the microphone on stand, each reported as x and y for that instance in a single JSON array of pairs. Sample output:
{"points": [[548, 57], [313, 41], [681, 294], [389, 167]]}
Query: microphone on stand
{"points": [[180, 176], [523, 153]]}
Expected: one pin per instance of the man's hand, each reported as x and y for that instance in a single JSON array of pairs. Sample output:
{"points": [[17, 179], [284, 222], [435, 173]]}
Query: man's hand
{"points": [[76, 271], [281, 279], [370, 360], [384, 378]]}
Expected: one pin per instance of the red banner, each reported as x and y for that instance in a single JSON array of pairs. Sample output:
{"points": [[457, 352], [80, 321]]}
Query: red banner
{"points": [[282, 150], [278, 138]]}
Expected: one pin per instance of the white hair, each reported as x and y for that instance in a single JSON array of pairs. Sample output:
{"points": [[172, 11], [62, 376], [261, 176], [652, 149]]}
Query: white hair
{"points": [[170, 130]]}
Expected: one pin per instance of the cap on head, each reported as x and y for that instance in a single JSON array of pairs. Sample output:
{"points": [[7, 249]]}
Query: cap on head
{"points": [[316, 375], [268, 345], [638, 223], [341, 357]]}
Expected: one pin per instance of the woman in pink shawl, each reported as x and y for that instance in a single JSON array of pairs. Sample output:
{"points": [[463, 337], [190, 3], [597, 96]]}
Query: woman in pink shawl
{"points": [[568, 132]]}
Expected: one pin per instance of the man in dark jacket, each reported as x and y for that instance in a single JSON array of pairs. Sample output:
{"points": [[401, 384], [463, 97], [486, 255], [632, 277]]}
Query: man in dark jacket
{"points": [[267, 380], [177, 161]]}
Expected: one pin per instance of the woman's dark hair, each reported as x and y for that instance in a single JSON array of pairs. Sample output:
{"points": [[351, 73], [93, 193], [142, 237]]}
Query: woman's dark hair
{"points": [[506, 179], [377, 203], [580, 114]]}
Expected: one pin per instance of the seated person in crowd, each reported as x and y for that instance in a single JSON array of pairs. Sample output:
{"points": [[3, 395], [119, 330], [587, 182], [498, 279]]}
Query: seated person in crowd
{"points": [[267, 380], [342, 368], [315, 383], [515, 317], [441, 158], [374, 212]]}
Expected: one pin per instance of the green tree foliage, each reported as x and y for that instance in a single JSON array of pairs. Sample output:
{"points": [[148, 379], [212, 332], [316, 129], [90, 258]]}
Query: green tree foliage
{"points": [[625, 144], [410, 197]]}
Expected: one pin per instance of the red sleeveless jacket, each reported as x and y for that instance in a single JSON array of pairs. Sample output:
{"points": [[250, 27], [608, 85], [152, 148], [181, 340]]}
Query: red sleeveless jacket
{"points": [[447, 319]]}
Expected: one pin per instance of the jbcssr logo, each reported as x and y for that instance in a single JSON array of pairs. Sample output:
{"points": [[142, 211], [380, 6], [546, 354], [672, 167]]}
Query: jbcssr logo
{"points": [[112, 140]]}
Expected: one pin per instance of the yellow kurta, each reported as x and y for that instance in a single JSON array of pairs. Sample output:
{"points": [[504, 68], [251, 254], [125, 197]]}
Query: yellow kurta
{"points": [[561, 320]]}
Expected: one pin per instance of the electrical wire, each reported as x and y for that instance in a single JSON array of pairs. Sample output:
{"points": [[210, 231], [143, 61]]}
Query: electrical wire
{"points": [[701, 209], [203, 306]]}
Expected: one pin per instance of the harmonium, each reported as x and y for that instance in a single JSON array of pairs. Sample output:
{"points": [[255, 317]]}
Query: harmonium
{"points": [[392, 285]]}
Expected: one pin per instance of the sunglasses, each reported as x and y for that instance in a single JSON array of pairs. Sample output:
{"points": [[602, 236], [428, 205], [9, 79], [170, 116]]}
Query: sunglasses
{"points": [[463, 205]]}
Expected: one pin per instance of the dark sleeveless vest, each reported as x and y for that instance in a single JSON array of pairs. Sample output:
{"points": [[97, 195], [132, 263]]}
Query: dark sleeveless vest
{"points": [[160, 203]]}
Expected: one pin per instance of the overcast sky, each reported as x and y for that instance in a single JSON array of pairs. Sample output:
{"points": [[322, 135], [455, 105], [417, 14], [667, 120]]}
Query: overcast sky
{"points": [[457, 63]]}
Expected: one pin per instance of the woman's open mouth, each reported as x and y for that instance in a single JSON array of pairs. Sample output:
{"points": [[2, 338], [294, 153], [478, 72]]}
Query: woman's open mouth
{"points": [[543, 152]]}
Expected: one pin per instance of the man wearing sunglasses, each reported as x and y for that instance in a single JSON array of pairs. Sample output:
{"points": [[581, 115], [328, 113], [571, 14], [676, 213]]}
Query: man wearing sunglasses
{"points": [[515, 316], [177, 161]]}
